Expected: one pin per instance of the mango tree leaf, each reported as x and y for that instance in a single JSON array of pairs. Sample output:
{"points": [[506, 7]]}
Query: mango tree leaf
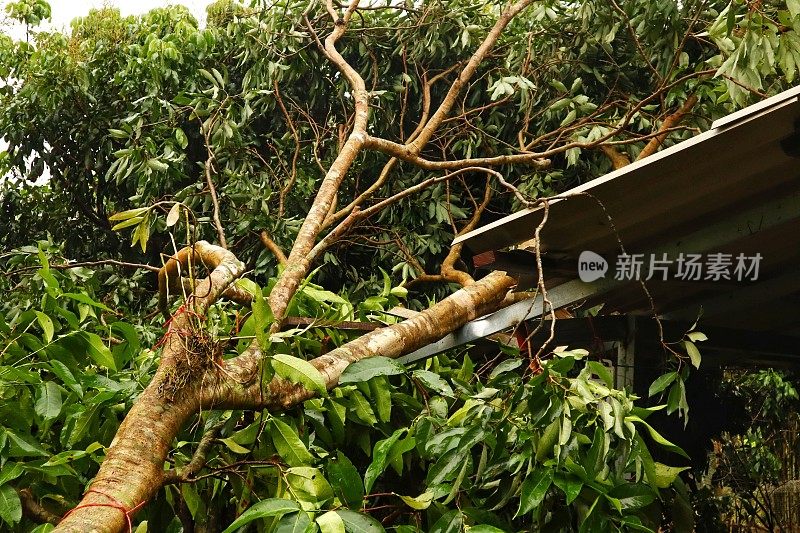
{"points": [[21, 447], [346, 481], [570, 484], [450, 522], [368, 368], [433, 381], [125, 215], [263, 509], [656, 436], [661, 383], [10, 505], [694, 353], [665, 475], [421, 502], [601, 371], [309, 485], [288, 443], [65, 375], [359, 523], [633, 496], [174, 213], [48, 402], [379, 458], [127, 223], [98, 351], [330, 522], [47, 326], [234, 446], [534, 489], [299, 371], [298, 522]]}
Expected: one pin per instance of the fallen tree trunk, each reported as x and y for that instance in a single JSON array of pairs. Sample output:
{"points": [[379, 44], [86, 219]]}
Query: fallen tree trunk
{"points": [[133, 471]]}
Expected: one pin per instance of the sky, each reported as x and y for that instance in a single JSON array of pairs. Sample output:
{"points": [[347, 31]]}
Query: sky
{"points": [[63, 11]]}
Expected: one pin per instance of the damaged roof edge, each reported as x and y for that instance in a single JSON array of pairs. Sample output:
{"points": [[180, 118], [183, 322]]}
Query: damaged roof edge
{"points": [[719, 126]]}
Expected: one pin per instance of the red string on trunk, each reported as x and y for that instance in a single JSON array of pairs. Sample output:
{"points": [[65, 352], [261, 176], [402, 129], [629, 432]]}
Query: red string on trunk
{"points": [[115, 505]]}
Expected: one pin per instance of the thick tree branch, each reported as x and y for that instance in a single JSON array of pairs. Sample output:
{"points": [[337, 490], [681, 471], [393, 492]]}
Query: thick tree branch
{"points": [[225, 269], [407, 153], [466, 74], [270, 245], [133, 470], [618, 159], [668, 123], [240, 388], [33, 510], [297, 263]]}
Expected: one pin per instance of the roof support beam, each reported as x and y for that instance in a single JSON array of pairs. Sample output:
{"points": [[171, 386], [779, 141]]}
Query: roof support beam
{"points": [[741, 225]]}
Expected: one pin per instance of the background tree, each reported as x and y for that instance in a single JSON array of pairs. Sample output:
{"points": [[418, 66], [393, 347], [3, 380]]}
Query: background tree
{"points": [[359, 139]]}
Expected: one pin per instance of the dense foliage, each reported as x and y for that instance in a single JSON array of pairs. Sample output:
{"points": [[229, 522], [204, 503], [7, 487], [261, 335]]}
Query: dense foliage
{"points": [[154, 112]]}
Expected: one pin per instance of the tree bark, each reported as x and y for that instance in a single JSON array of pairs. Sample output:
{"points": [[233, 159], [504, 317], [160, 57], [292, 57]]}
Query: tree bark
{"points": [[133, 470]]}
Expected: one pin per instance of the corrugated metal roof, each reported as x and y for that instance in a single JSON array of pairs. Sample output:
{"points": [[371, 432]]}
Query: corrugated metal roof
{"points": [[733, 189]]}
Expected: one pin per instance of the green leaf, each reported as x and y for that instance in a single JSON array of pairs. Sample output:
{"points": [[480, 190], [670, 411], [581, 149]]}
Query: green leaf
{"points": [[661, 383], [484, 528], [433, 381], [534, 489], [47, 326], [125, 215], [359, 523], [98, 351], [21, 447], [86, 299], [368, 368], [157, 165], [346, 481], [694, 353], [309, 485], [10, 505], [48, 403], [633, 495], [262, 317], [656, 436], [288, 444], [330, 522], [570, 484], [127, 223], [450, 522], [421, 502], [730, 20], [263, 509], [548, 439], [10, 471], [379, 458], [699, 336], [298, 522], [180, 136], [299, 371], [600, 370], [234, 446], [65, 457], [65, 375], [665, 475]]}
